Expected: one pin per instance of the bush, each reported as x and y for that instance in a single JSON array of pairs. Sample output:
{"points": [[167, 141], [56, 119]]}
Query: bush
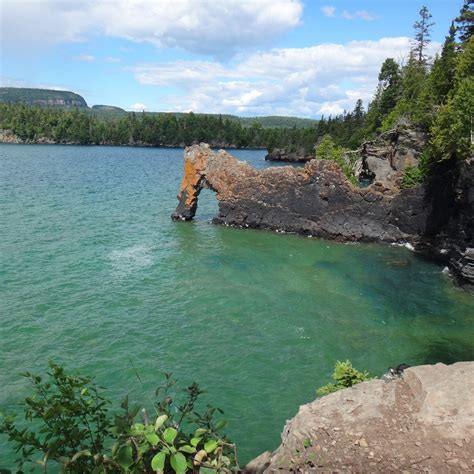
{"points": [[68, 423], [344, 376], [412, 176], [328, 150]]}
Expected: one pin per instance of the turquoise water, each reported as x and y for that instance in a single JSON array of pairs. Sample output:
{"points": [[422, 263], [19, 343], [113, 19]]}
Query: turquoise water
{"points": [[94, 273]]}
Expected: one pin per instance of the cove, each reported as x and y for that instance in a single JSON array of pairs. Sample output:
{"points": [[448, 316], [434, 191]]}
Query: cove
{"points": [[94, 275]]}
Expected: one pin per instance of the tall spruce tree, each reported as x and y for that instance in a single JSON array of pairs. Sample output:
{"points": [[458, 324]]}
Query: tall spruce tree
{"points": [[465, 21], [422, 35], [444, 66]]}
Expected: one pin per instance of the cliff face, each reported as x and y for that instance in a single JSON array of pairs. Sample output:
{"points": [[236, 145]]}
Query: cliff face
{"points": [[319, 201], [386, 157], [421, 422], [41, 97]]}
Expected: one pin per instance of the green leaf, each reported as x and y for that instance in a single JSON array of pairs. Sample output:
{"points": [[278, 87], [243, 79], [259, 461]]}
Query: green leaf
{"points": [[210, 446], [152, 438], [178, 463], [137, 429], [187, 449], [199, 432], [221, 424], [195, 441], [206, 470], [169, 435], [160, 421], [125, 456], [158, 461]]}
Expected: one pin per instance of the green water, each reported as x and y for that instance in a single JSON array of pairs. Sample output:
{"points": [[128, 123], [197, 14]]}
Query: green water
{"points": [[94, 273]]}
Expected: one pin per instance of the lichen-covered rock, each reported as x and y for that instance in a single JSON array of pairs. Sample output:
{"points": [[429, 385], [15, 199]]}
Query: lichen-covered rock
{"points": [[421, 422]]}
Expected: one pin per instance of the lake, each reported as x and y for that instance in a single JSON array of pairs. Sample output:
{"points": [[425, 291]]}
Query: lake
{"points": [[96, 276]]}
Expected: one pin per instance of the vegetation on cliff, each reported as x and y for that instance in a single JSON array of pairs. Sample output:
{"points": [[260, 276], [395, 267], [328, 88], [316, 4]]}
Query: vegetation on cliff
{"points": [[344, 376]]}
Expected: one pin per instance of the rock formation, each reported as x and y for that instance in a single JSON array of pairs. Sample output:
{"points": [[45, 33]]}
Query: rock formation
{"points": [[298, 156], [318, 200], [386, 157], [421, 422]]}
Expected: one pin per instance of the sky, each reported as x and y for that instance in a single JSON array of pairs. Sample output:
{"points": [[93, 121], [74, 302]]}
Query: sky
{"points": [[302, 58]]}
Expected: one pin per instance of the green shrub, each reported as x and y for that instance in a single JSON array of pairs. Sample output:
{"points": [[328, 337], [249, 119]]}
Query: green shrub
{"points": [[69, 424], [344, 376], [328, 150], [412, 176]]}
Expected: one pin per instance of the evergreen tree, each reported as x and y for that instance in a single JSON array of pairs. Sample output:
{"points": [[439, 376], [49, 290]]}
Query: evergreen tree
{"points": [[442, 72], [465, 21], [422, 35]]}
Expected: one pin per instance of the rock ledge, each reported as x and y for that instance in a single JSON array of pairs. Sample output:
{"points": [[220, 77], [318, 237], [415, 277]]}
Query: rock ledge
{"points": [[421, 422]]}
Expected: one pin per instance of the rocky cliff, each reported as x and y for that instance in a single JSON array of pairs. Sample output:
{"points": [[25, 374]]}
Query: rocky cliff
{"points": [[41, 97], [318, 200], [420, 422]]}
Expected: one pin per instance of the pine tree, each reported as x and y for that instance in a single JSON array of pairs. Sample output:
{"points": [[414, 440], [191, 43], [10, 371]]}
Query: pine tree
{"points": [[465, 21], [442, 73], [422, 35]]}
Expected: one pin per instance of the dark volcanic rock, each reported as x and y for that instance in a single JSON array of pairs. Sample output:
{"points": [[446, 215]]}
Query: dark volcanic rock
{"points": [[299, 156]]}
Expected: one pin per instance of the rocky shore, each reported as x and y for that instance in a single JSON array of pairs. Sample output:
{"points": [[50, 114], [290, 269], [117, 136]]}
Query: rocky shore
{"points": [[420, 422], [318, 200]]}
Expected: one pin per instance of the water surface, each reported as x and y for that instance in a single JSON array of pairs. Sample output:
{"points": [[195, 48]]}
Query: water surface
{"points": [[95, 275]]}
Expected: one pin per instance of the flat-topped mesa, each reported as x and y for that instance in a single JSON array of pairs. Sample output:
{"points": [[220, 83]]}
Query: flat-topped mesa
{"points": [[316, 200]]}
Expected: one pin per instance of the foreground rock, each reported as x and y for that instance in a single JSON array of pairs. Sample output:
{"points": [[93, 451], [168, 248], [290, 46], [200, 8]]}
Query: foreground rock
{"points": [[318, 200], [421, 422]]}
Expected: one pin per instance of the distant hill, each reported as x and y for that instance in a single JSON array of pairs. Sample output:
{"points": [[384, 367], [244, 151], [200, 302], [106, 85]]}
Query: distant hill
{"points": [[67, 99], [41, 97], [107, 110]]}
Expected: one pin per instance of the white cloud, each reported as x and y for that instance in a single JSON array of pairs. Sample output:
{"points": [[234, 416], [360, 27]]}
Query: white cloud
{"points": [[111, 59], [358, 15], [215, 27], [138, 107], [326, 78], [87, 58], [328, 10]]}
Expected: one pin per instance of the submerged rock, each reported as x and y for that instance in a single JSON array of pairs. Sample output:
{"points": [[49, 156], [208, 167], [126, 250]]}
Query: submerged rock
{"points": [[420, 422]]}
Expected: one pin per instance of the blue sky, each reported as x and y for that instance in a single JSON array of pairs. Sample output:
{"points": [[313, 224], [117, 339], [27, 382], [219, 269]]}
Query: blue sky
{"points": [[246, 57]]}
